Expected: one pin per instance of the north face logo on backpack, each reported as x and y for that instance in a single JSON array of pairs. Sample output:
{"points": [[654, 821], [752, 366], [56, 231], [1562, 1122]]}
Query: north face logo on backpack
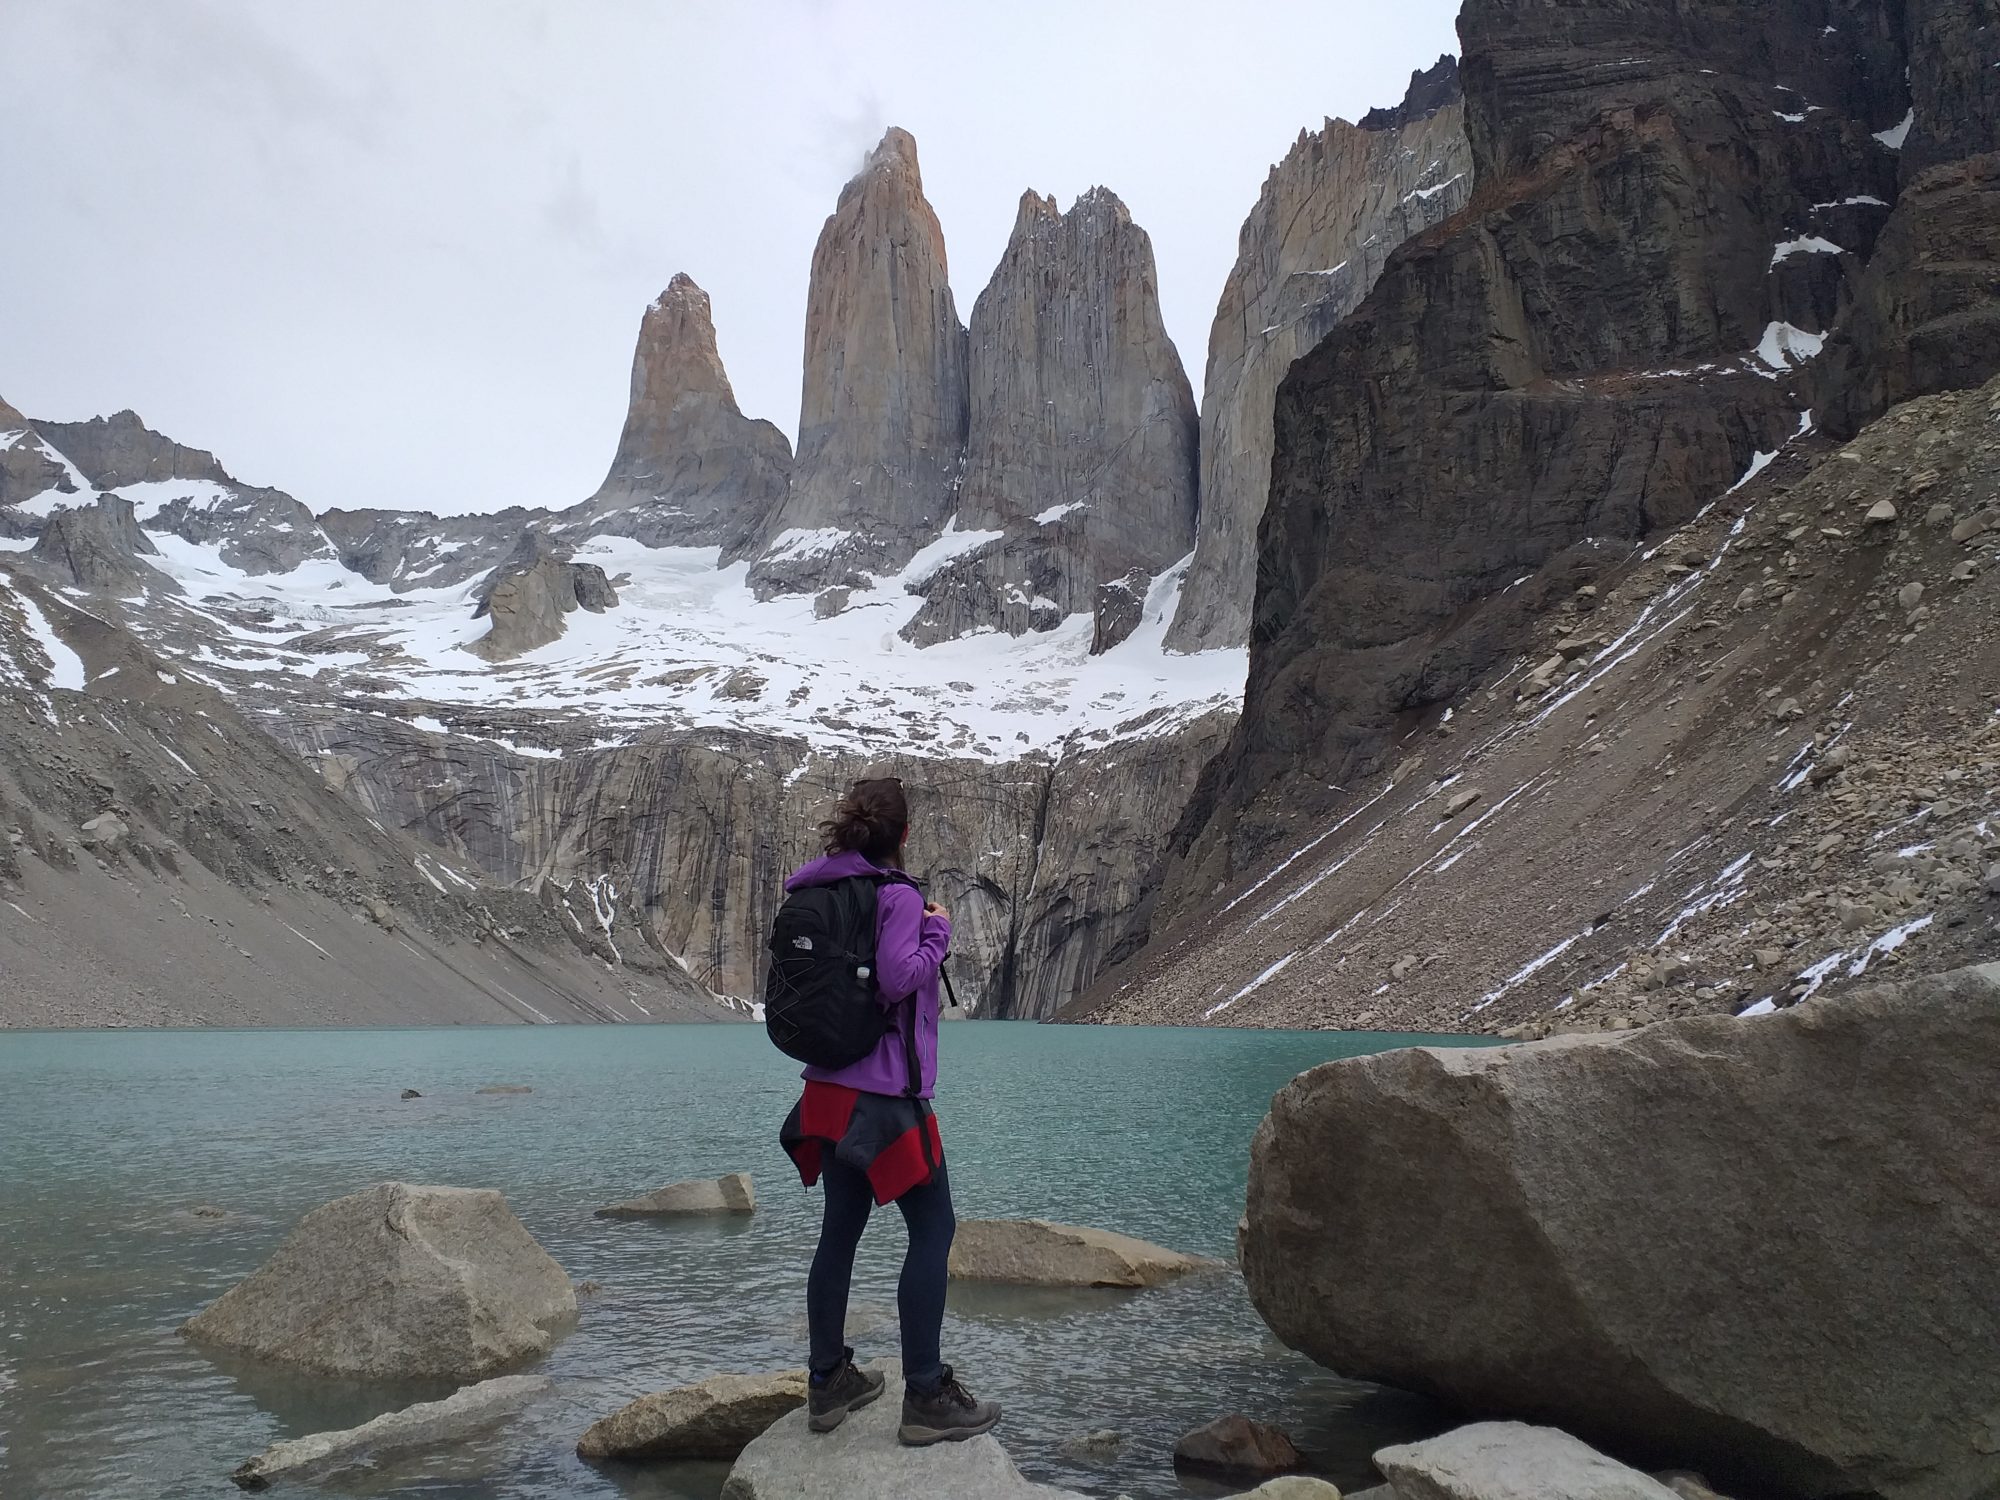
{"points": [[803, 944]]}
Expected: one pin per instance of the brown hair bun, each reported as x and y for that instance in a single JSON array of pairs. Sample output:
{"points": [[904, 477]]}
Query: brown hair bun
{"points": [[870, 820]]}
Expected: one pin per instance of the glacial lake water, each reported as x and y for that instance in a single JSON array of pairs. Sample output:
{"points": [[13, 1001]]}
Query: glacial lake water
{"points": [[111, 1139]]}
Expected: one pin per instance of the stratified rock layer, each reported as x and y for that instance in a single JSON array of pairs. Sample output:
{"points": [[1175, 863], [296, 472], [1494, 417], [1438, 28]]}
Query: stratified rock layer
{"points": [[1760, 1247], [398, 1282], [1081, 449], [691, 470], [1329, 216], [715, 1419], [882, 420]]}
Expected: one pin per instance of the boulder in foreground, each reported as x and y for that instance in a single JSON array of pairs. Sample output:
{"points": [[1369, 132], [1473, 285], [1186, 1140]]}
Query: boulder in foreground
{"points": [[1510, 1461], [398, 1282], [1034, 1252], [707, 1195], [1760, 1247], [861, 1457], [715, 1419], [458, 1415]]}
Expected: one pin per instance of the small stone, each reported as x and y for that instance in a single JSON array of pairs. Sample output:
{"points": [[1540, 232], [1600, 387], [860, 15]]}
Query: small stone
{"points": [[1770, 958], [1404, 967], [1748, 598], [1940, 516], [1910, 596], [1970, 527], [1097, 1449], [207, 1211], [1460, 802], [1305, 1487], [732, 1194], [411, 1094], [1882, 513], [1965, 572], [1785, 712]]}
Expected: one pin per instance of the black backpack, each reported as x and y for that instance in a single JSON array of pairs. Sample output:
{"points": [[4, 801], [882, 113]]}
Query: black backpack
{"points": [[820, 1003]]}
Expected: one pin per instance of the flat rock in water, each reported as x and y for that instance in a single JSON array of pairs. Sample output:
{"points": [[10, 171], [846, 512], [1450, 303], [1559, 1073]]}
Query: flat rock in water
{"points": [[398, 1282], [1236, 1445], [861, 1460], [1726, 1240], [1511, 1461], [715, 1419], [460, 1414], [1034, 1252], [1305, 1487], [706, 1195]]}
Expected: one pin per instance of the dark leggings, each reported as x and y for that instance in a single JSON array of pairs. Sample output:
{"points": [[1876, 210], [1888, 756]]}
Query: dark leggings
{"points": [[919, 1294]]}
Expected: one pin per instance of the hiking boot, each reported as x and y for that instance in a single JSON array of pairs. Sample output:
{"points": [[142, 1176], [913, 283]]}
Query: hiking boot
{"points": [[947, 1415], [848, 1388]]}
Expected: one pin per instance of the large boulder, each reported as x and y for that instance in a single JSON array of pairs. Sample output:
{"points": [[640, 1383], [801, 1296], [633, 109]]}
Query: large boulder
{"points": [[1763, 1247], [715, 1419], [1034, 1252], [1240, 1447], [861, 1457], [1510, 1461], [730, 1194], [458, 1415], [398, 1282]]}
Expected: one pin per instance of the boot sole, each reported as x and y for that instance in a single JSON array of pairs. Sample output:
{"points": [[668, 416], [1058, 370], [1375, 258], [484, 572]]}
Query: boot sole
{"points": [[827, 1421], [923, 1437]]}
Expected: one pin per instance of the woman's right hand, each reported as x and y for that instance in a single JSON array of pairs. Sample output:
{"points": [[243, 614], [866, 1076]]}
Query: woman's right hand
{"points": [[932, 909]]}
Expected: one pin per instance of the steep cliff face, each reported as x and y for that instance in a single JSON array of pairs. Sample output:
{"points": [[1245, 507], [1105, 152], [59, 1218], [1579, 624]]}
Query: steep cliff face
{"points": [[1595, 347], [691, 470], [28, 466], [1329, 216], [680, 843], [99, 546], [527, 597], [882, 421], [1080, 458], [120, 449]]}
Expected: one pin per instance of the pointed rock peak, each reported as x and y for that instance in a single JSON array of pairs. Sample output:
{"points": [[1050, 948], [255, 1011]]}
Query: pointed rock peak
{"points": [[1431, 89], [896, 152], [11, 419], [1101, 200], [677, 352], [1036, 208]]}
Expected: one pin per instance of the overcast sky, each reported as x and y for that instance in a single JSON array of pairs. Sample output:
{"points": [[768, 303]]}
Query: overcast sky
{"points": [[394, 252]]}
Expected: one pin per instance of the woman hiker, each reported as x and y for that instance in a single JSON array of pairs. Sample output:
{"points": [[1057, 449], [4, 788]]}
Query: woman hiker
{"points": [[872, 1139]]}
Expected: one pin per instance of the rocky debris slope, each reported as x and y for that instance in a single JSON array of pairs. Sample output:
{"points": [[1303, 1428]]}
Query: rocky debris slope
{"points": [[1752, 760], [883, 419], [691, 470], [1323, 227], [164, 861], [1837, 1168], [1080, 465], [527, 596], [1614, 332], [398, 1282]]}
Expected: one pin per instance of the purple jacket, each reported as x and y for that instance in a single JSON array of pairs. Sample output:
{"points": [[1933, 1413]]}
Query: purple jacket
{"points": [[909, 948]]}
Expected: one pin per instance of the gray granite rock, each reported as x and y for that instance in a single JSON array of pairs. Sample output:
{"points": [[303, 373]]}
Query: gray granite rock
{"points": [[1510, 1461], [861, 1457], [1606, 1234], [394, 1282], [714, 1419], [729, 1194], [457, 1416]]}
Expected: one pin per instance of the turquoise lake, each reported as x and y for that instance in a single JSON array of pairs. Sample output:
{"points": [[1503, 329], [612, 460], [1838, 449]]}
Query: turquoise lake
{"points": [[113, 1138]]}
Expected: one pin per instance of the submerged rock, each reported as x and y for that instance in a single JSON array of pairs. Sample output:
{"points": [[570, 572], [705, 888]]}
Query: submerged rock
{"points": [[861, 1457], [460, 1414], [395, 1282], [714, 1419], [1238, 1446], [1506, 1460], [731, 1194], [1722, 1242], [1034, 1252]]}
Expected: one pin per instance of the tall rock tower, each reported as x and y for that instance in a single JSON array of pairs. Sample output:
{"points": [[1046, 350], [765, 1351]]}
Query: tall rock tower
{"points": [[1081, 450], [883, 411], [691, 469], [1312, 248]]}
